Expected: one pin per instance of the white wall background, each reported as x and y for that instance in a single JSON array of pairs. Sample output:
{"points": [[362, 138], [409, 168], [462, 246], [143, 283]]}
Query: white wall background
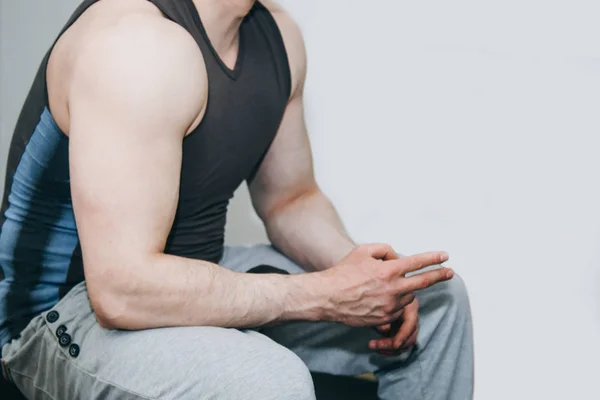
{"points": [[468, 126]]}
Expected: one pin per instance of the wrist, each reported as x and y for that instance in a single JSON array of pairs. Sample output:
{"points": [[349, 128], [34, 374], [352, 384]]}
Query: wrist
{"points": [[345, 247], [306, 297]]}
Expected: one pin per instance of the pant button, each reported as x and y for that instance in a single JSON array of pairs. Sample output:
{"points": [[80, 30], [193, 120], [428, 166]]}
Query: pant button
{"points": [[74, 350], [64, 340], [52, 316], [60, 331]]}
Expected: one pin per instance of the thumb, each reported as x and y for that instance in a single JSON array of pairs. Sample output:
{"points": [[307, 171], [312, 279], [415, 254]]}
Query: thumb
{"points": [[384, 329], [380, 251]]}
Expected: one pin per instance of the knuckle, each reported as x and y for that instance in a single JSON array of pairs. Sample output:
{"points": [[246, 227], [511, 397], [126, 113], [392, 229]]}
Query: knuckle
{"points": [[404, 300], [383, 274], [389, 308], [384, 319], [397, 315], [409, 262], [415, 264]]}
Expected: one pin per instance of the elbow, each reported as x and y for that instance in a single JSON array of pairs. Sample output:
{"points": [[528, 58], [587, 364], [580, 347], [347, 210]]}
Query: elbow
{"points": [[107, 323], [115, 293], [108, 305], [109, 312]]}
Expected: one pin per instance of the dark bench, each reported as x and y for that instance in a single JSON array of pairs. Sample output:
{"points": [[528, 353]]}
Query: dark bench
{"points": [[329, 387]]}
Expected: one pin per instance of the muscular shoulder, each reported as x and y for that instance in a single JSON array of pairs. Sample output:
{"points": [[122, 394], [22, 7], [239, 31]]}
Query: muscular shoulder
{"points": [[294, 44], [133, 54]]}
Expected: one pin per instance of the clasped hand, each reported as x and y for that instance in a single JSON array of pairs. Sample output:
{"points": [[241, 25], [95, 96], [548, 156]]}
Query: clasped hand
{"points": [[370, 287]]}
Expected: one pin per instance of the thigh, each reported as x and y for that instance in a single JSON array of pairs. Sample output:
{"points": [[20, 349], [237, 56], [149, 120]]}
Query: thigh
{"points": [[244, 258], [338, 349], [168, 363]]}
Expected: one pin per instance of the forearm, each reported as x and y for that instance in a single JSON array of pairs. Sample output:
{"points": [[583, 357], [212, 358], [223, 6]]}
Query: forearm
{"points": [[309, 231], [175, 291]]}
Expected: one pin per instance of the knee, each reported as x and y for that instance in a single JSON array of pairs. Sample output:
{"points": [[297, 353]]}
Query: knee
{"points": [[287, 377], [457, 300], [277, 373], [296, 380], [231, 364]]}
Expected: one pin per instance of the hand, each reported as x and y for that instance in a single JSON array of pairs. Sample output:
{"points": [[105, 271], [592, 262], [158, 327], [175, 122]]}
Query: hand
{"points": [[369, 288], [400, 335]]}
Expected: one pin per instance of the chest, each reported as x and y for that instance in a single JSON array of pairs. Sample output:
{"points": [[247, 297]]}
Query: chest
{"points": [[241, 120]]}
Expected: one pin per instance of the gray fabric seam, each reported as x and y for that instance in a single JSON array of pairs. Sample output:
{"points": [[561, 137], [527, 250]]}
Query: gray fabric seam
{"points": [[93, 376], [73, 364], [33, 383], [419, 361]]}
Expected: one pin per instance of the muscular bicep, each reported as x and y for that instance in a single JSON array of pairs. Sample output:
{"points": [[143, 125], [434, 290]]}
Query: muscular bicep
{"points": [[124, 181], [127, 120]]}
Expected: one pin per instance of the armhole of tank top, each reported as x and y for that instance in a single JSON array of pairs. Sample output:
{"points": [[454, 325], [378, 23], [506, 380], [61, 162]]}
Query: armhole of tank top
{"points": [[163, 10], [82, 8], [278, 46], [280, 54]]}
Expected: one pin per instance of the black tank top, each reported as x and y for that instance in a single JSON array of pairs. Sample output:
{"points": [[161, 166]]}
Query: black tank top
{"points": [[245, 107]]}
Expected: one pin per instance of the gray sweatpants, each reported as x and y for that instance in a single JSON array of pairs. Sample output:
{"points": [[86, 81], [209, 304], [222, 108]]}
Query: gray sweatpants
{"points": [[231, 364]]}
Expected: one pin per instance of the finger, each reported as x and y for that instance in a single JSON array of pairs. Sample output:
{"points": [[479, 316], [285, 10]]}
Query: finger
{"points": [[380, 251], [406, 299], [384, 329], [425, 280], [387, 342], [411, 341], [384, 342], [419, 261], [386, 346], [393, 352], [408, 327], [390, 330]]}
